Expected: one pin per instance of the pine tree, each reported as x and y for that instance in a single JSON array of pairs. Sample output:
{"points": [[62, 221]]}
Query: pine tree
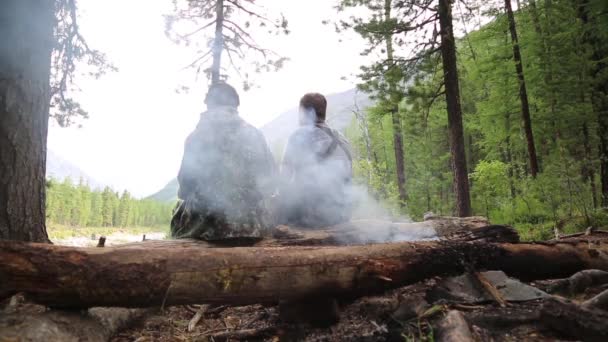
{"points": [[230, 36], [124, 208]]}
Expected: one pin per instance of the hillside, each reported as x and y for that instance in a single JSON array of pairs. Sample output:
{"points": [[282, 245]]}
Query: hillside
{"points": [[340, 115]]}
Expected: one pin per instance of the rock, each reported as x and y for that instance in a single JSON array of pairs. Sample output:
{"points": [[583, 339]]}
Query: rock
{"points": [[465, 289], [410, 307]]}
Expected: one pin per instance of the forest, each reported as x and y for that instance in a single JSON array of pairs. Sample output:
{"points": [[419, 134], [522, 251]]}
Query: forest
{"points": [[489, 128], [77, 205], [533, 97]]}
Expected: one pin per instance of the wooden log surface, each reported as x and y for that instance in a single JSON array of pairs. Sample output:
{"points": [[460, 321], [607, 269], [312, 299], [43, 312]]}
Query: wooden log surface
{"points": [[159, 273], [575, 321], [376, 231], [454, 327]]}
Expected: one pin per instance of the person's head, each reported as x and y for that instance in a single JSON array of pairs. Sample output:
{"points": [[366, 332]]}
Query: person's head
{"points": [[313, 107], [222, 94]]}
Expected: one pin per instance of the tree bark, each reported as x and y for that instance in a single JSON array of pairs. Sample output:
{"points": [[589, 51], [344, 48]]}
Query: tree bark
{"points": [[575, 321], [396, 119], [575, 284], [588, 170], [218, 42], [399, 157], [25, 62], [182, 272], [452, 97], [523, 93]]}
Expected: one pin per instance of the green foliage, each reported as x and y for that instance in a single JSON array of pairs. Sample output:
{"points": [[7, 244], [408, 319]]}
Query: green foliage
{"points": [[491, 185], [70, 51], [558, 61], [78, 206]]}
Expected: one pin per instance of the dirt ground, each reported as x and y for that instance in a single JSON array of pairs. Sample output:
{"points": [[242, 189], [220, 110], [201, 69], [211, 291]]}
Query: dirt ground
{"points": [[395, 316]]}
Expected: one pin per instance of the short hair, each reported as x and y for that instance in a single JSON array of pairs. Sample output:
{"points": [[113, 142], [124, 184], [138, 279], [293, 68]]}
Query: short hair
{"points": [[317, 102], [222, 94]]}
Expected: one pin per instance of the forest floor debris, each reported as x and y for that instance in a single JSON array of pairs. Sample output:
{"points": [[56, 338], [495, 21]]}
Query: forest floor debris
{"points": [[404, 314]]}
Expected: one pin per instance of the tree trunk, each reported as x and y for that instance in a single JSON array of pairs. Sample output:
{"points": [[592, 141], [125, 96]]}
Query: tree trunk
{"points": [[535, 19], [396, 120], [509, 156], [399, 157], [218, 42], [157, 273], [603, 134], [376, 231], [588, 170], [363, 124], [523, 93], [599, 89], [452, 96], [25, 62]]}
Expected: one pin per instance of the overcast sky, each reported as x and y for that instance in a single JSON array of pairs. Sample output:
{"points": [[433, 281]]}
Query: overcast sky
{"points": [[138, 123]]}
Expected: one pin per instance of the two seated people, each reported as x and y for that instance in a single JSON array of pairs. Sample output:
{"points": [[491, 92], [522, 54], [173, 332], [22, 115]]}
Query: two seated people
{"points": [[230, 188]]}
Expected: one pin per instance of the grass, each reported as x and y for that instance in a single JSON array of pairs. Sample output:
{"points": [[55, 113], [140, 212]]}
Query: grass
{"points": [[568, 225], [61, 232]]}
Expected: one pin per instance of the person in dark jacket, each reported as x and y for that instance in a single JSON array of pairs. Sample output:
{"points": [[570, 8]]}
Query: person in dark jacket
{"points": [[226, 176], [316, 170]]}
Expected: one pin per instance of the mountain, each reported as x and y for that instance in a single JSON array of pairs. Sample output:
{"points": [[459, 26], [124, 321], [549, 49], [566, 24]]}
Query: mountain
{"points": [[340, 108], [167, 194], [58, 168]]}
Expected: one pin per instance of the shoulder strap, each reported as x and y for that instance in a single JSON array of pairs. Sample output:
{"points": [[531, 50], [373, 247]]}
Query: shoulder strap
{"points": [[334, 144]]}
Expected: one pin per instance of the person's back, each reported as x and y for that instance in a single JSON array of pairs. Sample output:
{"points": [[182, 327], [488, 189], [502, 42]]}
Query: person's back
{"points": [[225, 179], [317, 170]]}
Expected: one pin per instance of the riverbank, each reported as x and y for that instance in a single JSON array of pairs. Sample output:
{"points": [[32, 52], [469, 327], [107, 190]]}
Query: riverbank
{"points": [[89, 236]]}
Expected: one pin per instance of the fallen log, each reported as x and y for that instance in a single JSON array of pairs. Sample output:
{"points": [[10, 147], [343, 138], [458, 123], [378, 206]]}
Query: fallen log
{"points": [[454, 327], [376, 231], [576, 321], [599, 301], [179, 272], [576, 283]]}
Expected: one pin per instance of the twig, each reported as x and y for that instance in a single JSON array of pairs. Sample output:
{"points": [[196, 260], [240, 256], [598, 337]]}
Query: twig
{"points": [[387, 279], [490, 289], [244, 333], [465, 307], [197, 317], [211, 309], [585, 233]]}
